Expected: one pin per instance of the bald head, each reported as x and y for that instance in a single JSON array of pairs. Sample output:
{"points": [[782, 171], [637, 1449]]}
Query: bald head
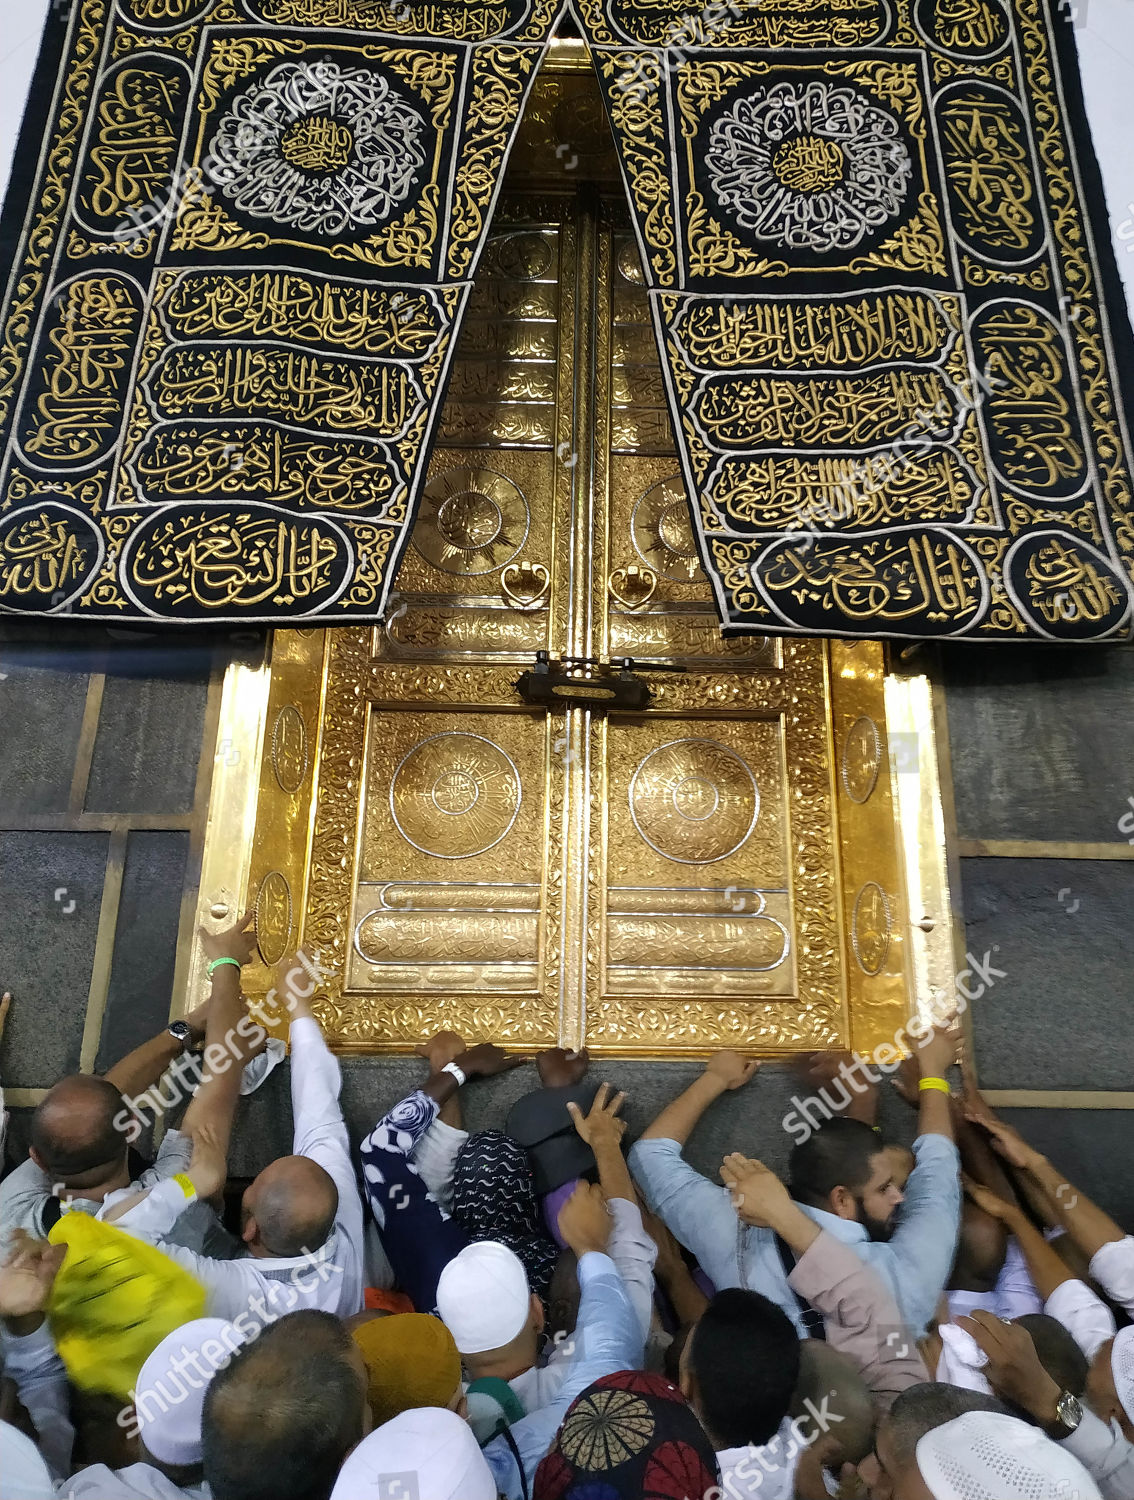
{"points": [[73, 1134], [290, 1207]]}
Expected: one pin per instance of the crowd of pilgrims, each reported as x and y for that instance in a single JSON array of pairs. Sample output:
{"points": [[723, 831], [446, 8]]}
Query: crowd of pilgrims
{"points": [[535, 1311]]}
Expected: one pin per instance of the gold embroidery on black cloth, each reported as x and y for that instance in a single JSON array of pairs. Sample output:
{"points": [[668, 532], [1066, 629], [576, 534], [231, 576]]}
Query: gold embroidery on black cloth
{"points": [[261, 418], [255, 227], [868, 259]]}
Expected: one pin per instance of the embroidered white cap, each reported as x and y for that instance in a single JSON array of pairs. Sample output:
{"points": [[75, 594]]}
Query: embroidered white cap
{"points": [[1122, 1368], [986, 1455]]}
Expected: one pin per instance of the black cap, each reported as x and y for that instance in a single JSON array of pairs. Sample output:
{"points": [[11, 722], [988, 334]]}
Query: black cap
{"points": [[542, 1125]]}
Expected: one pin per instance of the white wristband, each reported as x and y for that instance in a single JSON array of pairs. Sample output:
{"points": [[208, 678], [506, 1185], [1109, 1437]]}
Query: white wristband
{"points": [[455, 1071]]}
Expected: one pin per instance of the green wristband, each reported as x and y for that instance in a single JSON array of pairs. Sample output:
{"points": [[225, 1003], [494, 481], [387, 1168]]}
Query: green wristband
{"points": [[216, 963]]}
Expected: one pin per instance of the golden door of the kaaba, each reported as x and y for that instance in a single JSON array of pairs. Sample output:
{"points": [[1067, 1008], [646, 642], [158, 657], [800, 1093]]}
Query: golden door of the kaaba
{"points": [[723, 868]]}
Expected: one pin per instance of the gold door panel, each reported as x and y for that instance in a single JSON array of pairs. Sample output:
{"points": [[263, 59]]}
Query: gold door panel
{"points": [[720, 868], [451, 872]]}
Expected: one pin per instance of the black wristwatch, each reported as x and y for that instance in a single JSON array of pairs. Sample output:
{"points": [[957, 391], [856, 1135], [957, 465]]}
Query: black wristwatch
{"points": [[1068, 1415], [181, 1032]]}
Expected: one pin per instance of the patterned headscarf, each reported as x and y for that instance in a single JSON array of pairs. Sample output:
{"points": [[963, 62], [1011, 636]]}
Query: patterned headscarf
{"points": [[493, 1199], [630, 1436]]}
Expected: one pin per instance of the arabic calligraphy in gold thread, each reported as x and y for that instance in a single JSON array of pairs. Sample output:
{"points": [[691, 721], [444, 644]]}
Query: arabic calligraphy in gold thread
{"points": [[989, 168], [802, 334], [1038, 439], [264, 382], [890, 579], [771, 492], [834, 411], [968, 25], [135, 128], [43, 555], [464, 21], [90, 336], [184, 460], [398, 322], [234, 561], [1065, 585]]}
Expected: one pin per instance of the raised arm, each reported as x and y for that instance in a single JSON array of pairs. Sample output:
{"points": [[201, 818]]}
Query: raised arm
{"points": [[724, 1071], [1088, 1225], [696, 1211], [141, 1069], [231, 1035]]}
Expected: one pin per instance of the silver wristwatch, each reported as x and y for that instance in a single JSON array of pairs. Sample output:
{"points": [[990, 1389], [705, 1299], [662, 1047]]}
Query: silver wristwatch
{"points": [[1068, 1415]]}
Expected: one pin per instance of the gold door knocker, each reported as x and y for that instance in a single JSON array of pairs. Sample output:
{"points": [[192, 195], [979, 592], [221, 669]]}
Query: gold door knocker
{"points": [[632, 587], [525, 585]]}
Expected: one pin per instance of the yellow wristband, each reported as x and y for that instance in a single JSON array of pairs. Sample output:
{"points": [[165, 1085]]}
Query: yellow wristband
{"points": [[933, 1083], [185, 1184]]}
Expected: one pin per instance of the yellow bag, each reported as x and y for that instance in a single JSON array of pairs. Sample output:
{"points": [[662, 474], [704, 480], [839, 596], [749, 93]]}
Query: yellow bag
{"points": [[114, 1299]]}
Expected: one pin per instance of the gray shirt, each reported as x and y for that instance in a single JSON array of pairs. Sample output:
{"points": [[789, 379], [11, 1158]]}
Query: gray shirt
{"points": [[25, 1193]]}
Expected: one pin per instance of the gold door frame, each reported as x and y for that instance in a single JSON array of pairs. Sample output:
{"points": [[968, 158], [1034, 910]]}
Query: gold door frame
{"points": [[297, 771]]}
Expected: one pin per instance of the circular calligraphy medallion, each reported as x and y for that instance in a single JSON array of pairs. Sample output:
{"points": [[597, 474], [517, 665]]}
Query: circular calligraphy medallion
{"points": [[809, 165], [1066, 589], [317, 144], [272, 916], [662, 531], [455, 795], [629, 264], [48, 556], [318, 147], [870, 928], [862, 755], [289, 749], [472, 521], [694, 801], [520, 257]]}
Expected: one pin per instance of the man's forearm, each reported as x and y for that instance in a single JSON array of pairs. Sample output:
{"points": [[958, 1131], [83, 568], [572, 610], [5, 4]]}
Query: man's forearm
{"points": [[614, 1174], [676, 1121], [140, 1070], [1046, 1266], [935, 1116], [214, 1103], [1087, 1224]]}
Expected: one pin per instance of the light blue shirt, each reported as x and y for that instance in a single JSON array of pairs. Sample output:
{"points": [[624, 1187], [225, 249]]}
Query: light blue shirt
{"points": [[607, 1338], [914, 1263]]}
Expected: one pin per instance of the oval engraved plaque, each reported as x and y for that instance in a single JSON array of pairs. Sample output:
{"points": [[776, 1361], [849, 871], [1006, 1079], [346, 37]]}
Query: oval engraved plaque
{"points": [[870, 928], [862, 755], [694, 801], [272, 916], [289, 749], [455, 795]]}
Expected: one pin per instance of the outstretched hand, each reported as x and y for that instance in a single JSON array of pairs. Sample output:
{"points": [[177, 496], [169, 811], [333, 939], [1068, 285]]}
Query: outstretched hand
{"points": [[936, 1052], [992, 1203], [1007, 1142], [440, 1050], [485, 1060], [237, 941], [1014, 1369], [601, 1127], [731, 1069], [758, 1195], [584, 1220], [26, 1277]]}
